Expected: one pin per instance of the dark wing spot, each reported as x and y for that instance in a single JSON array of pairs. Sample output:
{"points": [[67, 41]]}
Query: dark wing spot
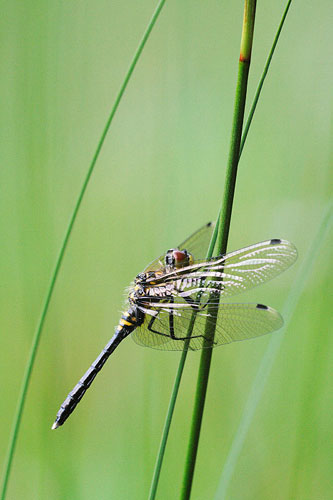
{"points": [[209, 224], [261, 306], [275, 241]]}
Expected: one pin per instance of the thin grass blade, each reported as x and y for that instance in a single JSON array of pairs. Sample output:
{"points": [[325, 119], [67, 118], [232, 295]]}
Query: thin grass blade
{"points": [[38, 332], [270, 355]]}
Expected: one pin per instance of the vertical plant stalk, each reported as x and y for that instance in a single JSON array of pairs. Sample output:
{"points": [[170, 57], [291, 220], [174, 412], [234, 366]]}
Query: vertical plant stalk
{"points": [[38, 331], [263, 76], [174, 394], [166, 429], [223, 232]]}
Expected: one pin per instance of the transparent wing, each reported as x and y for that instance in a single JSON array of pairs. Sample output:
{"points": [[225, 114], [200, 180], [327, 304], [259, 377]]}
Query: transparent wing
{"points": [[196, 244], [235, 322], [234, 272]]}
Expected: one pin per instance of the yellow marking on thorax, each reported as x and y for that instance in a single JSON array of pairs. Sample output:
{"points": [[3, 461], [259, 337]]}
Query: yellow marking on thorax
{"points": [[123, 322]]}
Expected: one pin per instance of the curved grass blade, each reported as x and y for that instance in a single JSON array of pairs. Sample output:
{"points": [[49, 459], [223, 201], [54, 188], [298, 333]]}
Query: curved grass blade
{"points": [[269, 357], [37, 334]]}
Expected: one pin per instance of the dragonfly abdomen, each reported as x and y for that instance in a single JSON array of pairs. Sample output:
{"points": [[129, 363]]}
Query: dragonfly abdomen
{"points": [[128, 322]]}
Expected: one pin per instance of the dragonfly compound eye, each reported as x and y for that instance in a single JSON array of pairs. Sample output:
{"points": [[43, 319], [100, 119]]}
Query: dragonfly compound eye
{"points": [[178, 258], [182, 258]]}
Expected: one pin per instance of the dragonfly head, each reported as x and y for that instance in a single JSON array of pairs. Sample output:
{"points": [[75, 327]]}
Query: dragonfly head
{"points": [[178, 258]]}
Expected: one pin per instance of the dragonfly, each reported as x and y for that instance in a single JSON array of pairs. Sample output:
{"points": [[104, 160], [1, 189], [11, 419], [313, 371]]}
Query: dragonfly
{"points": [[178, 290]]}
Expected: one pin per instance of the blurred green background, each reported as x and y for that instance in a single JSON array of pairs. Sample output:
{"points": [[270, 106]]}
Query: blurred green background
{"points": [[160, 177]]}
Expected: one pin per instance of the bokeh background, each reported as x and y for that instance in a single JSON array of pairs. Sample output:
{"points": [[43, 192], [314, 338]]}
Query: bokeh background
{"points": [[160, 177]]}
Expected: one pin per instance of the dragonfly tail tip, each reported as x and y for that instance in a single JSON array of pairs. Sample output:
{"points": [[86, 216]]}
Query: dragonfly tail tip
{"points": [[55, 425]]}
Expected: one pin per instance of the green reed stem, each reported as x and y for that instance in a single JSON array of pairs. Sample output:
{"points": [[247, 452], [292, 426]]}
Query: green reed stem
{"points": [[223, 232], [167, 424], [37, 334], [173, 398], [263, 76], [182, 361]]}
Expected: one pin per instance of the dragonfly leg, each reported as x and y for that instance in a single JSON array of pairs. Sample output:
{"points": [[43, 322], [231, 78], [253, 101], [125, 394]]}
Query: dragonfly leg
{"points": [[172, 332], [150, 325], [192, 303], [171, 324], [195, 305]]}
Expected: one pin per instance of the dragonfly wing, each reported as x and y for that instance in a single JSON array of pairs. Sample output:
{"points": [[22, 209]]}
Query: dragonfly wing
{"points": [[234, 322], [196, 244], [234, 272], [146, 338]]}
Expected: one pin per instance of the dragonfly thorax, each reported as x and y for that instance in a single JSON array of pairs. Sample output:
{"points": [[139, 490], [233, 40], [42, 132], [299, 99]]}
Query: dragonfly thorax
{"points": [[136, 292], [150, 287]]}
